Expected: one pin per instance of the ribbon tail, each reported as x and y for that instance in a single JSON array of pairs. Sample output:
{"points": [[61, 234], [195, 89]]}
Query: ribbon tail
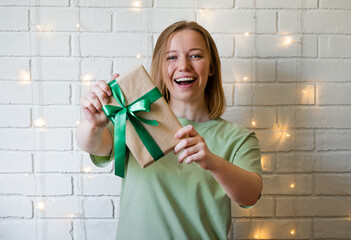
{"points": [[120, 143], [147, 140]]}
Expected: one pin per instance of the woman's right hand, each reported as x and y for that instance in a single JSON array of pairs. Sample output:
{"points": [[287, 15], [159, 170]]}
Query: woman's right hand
{"points": [[92, 102]]}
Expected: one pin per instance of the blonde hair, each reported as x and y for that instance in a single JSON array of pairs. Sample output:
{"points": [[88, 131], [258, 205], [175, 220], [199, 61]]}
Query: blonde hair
{"points": [[214, 95]]}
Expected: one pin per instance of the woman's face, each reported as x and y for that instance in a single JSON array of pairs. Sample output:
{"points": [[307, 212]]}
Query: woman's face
{"points": [[187, 66]]}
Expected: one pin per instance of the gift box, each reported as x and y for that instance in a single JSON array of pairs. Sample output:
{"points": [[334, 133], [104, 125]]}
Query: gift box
{"points": [[142, 119]]}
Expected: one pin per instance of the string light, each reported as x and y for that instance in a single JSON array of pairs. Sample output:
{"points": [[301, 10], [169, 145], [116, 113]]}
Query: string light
{"points": [[292, 185], [292, 232], [87, 169], [38, 26], [138, 56], [246, 78], [304, 91], [40, 205], [77, 122], [253, 123], [40, 122], [138, 4], [287, 40], [25, 78], [86, 79], [77, 25], [247, 34], [288, 135]]}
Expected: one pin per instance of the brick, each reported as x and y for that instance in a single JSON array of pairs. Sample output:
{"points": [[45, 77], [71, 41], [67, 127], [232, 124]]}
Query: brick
{"points": [[193, 4], [248, 71], [276, 46], [14, 93], [14, 44], [24, 230], [333, 140], [335, 4], [39, 139], [54, 162], [55, 69], [50, 19], [96, 69], [15, 207], [314, 162], [15, 116], [51, 93], [332, 184], [268, 162], [57, 116], [225, 44], [314, 22], [263, 117], [311, 207], [118, 45], [73, 208], [15, 162], [335, 46], [316, 70], [96, 185], [51, 3], [330, 94], [150, 20], [51, 44], [332, 228], [94, 229], [113, 3], [238, 21], [13, 19], [263, 208], [281, 184], [228, 93], [276, 4], [53, 185], [14, 69], [315, 117], [285, 140], [272, 229], [122, 65], [273, 94]]}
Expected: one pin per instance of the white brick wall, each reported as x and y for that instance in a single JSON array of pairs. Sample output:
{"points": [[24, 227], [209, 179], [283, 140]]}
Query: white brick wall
{"points": [[298, 94]]}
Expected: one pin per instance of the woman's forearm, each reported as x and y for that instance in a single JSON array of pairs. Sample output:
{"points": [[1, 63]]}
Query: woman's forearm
{"points": [[94, 140], [241, 186]]}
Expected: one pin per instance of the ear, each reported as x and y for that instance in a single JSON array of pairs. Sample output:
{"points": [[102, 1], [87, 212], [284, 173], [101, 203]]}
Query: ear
{"points": [[210, 74]]}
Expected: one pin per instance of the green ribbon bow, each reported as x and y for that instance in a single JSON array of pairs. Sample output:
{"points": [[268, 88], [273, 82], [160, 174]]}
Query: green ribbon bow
{"points": [[119, 115]]}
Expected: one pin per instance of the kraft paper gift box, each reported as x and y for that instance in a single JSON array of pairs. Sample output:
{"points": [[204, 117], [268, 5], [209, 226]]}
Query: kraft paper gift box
{"points": [[140, 93]]}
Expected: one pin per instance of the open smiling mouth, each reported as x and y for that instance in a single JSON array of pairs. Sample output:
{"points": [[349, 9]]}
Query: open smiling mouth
{"points": [[185, 81]]}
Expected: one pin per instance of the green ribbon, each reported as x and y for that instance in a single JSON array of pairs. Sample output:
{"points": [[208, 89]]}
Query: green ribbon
{"points": [[119, 115]]}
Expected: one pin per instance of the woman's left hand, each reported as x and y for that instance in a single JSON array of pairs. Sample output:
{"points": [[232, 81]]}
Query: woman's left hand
{"points": [[194, 148]]}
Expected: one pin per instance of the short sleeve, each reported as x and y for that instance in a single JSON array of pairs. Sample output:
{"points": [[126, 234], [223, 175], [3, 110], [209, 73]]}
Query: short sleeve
{"points": [[103, 161], [248, 156]]}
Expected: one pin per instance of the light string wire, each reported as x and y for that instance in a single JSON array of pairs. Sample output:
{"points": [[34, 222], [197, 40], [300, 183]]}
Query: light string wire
{"points": [[38, 154], [78, 84]]}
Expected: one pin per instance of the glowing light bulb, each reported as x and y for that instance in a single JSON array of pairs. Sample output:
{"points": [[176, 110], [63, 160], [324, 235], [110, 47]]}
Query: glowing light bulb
{"points": [[292, 185], [288, 135], [304, 91], [86, 79], [38, 26], [246, 78], [247, 34], [77, 122], [87, 169], [138, 56], [77, 25], [253, 123], [256, 236], [288, 40], [40, 206], [201, 10], [138, 4], [292, 232], [40, 122], [25, 77]]}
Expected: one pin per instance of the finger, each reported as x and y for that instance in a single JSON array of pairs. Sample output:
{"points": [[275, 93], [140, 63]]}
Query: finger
{"points": [[187, 152], [105, 87], [94, 101], [100, 93], [187, 130], [116, 75], [187, 142], [195, 157], [87, 104]]}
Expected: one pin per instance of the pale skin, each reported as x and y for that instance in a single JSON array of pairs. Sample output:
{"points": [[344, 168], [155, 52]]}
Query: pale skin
{"points": [[187, 56]]}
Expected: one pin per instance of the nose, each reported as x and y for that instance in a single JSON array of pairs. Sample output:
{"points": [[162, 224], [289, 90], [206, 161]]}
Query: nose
{"points": [[184, 64]]}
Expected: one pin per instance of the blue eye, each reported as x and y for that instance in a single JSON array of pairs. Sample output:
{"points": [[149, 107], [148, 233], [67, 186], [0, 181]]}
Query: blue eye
{"points": [[171, 58], [195, 56]]}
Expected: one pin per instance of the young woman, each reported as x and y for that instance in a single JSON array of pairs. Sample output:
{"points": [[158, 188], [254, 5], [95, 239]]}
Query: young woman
{"points": [[186, 194]]}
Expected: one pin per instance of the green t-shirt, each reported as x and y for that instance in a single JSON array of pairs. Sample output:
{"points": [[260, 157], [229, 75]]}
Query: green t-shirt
{"points": [[168, 200]]}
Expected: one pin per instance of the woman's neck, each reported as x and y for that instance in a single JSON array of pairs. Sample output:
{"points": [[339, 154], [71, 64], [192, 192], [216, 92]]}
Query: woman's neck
{"points": [[196, 111]]}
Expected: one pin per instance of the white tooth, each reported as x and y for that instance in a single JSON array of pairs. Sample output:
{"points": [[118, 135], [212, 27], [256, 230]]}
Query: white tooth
{"points": [[185, 79]]}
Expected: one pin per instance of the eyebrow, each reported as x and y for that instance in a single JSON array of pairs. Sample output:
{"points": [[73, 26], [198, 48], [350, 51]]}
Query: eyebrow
{"points": [[191, 49]]}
